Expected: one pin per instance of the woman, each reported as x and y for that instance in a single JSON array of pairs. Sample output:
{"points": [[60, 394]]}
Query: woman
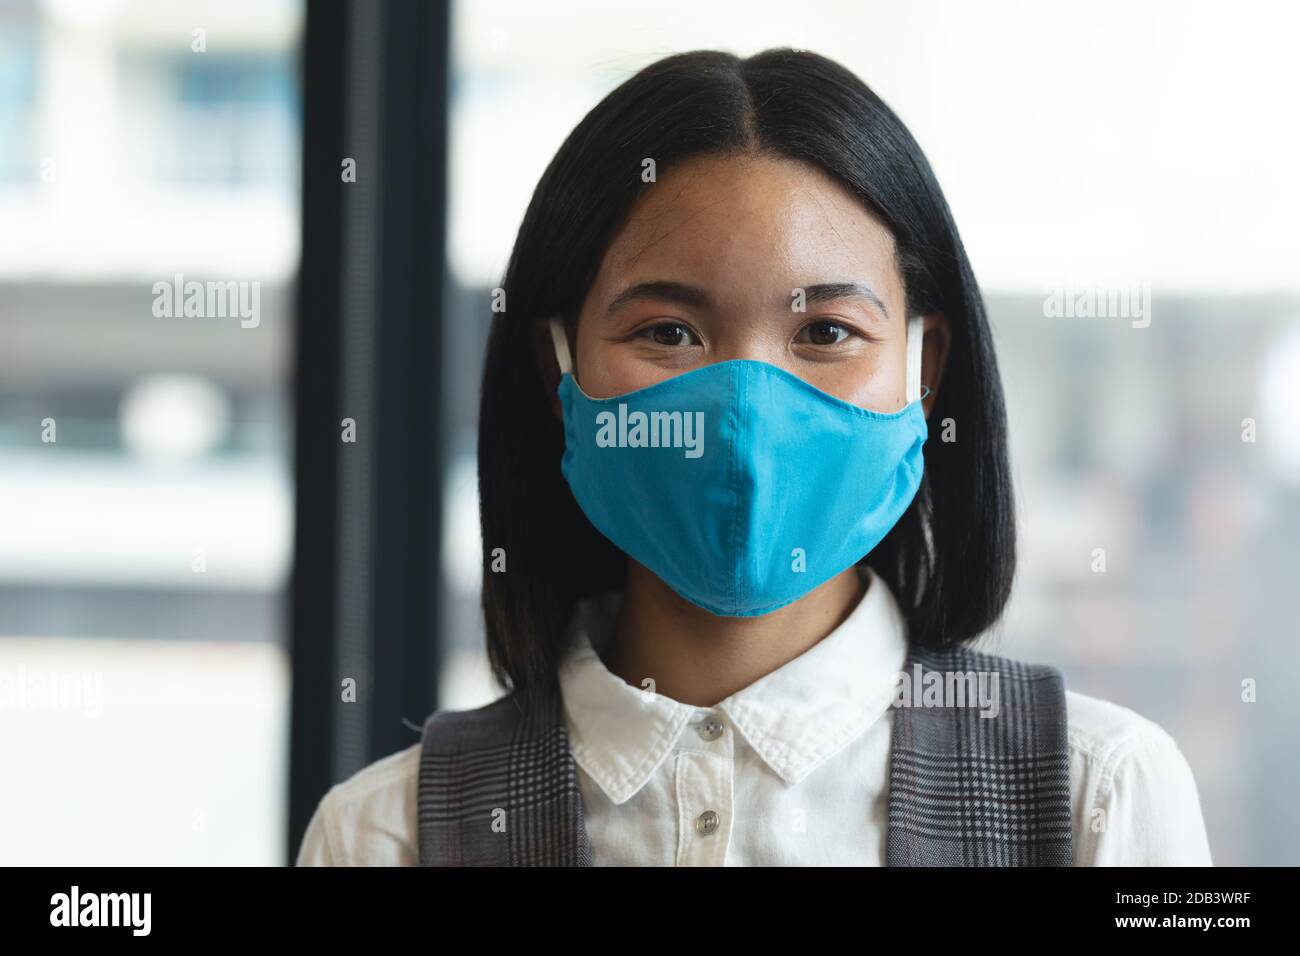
{"points": [[746, 506]]}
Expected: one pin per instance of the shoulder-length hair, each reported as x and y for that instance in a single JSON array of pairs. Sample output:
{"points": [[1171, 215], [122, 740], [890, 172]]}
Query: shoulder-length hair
{"points": [[949, 560]]}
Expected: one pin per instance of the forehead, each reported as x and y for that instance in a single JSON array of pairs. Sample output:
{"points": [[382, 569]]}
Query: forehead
{"points": [[720, 218]]}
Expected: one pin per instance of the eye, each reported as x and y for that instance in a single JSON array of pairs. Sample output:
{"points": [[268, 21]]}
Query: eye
{"points": [[823, 332], [669, 334]]}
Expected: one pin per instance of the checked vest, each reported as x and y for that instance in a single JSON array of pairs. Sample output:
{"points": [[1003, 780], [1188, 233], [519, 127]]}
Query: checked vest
{"points": [[964, 790]]}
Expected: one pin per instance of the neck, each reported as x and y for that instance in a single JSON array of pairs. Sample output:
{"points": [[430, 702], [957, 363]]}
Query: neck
{"points": [[700, 658]]}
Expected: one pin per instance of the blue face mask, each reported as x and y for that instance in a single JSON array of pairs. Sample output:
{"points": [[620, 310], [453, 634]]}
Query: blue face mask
{"points": [[740, 485]]}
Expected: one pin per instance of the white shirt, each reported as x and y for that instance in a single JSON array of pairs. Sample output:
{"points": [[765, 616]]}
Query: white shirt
{"points": [[795, 766]]}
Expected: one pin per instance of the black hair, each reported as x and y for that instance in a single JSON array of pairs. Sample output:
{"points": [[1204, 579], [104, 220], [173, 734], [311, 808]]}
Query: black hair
{"points": [[949, 560]]}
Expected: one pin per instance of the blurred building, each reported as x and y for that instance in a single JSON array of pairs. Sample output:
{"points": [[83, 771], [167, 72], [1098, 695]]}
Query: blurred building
{"points": [[149, 543]]}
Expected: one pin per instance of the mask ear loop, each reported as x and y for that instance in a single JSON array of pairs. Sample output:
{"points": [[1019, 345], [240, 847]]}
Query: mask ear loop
{"points": [[915, 333], [561, 343]]}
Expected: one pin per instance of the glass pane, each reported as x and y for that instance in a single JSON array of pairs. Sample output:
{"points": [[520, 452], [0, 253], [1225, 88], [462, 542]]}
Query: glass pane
{"points": [[149, 189]]}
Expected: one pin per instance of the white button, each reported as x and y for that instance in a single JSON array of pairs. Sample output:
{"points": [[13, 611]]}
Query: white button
{"points": [[706, 822], [710, 728]]}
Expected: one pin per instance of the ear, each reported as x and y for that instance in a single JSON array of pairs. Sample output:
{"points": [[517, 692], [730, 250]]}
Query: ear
{"points": [[548, 369], [934, 356]]}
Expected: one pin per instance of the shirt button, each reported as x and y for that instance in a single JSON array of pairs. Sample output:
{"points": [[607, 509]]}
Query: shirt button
{"points": [[706, 822], [710, 728]]}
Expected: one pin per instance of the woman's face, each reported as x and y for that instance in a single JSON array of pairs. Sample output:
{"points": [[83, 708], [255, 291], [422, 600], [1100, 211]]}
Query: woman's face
{"points": [[706, 270]]}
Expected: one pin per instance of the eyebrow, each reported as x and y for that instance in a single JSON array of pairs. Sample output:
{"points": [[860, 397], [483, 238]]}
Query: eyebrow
{"points": [[695, 297], [830, 291]]}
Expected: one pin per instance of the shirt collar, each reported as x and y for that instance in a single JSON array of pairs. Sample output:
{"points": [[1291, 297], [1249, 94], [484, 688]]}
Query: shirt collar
{"points": [[795, 717]]}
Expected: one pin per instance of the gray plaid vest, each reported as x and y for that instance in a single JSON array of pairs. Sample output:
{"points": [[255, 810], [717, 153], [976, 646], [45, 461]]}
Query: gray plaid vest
{"points": [[964, 790]]}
